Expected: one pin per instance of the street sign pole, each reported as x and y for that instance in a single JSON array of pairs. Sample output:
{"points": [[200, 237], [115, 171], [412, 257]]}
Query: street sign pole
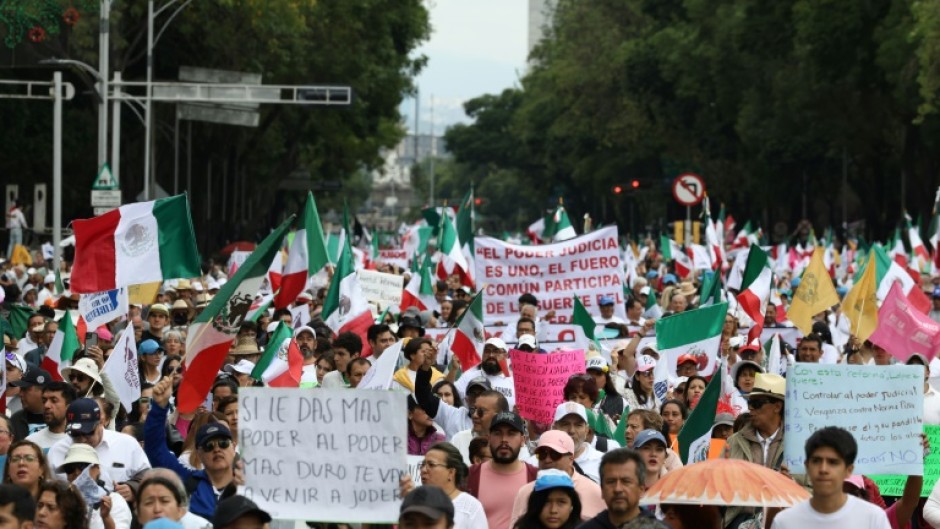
{"points": [[56, 169]]}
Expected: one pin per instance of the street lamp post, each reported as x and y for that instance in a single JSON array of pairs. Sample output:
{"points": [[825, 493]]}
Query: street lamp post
{"points": [[101, 89]]}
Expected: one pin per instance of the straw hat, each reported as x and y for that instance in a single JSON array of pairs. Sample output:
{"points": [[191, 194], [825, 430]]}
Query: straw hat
{"points": [[687, 289], [245, 346], [181, 304]]}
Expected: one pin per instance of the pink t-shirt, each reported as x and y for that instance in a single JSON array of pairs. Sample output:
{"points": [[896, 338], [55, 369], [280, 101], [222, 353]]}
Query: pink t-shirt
{"points": [[892, 513], [497, 493]]}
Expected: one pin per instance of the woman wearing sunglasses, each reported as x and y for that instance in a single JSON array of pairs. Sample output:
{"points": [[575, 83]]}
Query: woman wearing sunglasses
{"points": [[443, 467], [27, 467], [112, 506], [215, 448]]}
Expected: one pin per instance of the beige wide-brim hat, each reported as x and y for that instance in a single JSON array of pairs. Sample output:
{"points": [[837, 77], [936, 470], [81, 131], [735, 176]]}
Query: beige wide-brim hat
{"points": [[769, 385], [181, 304], [687, 289], [85, 366], [245, 347]]}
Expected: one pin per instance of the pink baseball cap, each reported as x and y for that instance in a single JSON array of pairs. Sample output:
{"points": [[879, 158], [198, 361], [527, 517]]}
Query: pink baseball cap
{"points": [[857, 480], [558, 441]]}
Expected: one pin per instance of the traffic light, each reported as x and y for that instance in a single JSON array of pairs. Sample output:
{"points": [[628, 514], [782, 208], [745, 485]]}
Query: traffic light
{"points": [[618, 190], [477, 201], [635, 184]]}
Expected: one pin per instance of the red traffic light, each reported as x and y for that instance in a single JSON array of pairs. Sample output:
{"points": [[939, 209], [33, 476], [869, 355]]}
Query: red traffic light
{"points": [[618, 190], [477, 201], [635, 184]]}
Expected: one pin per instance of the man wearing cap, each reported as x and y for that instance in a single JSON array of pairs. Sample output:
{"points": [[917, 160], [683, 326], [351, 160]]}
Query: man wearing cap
{"points": [[571, 418], [239, 512], [486, 407], [121, 456], [33, 339], [410, 327], [491, 367], [30, 419], [306, 339], [452, 419], [687, 365], [213, 444], [159, 318], [426, 507], [56, 397], [555, 451], [497, 481], [111, 511], [607, 319]]}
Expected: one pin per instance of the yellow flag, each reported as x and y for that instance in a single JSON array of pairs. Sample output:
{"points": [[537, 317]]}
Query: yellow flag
{"points": [[815, 294], [143, 294], [860, 305]]}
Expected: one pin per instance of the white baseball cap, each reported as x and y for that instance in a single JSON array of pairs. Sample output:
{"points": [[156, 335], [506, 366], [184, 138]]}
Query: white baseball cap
{"points": [[644, 363], [569, 408], [527, 339], [497, 343]]}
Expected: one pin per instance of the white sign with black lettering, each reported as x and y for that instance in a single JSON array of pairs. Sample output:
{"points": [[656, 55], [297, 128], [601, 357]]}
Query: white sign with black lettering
{"points": [[330, 454]]}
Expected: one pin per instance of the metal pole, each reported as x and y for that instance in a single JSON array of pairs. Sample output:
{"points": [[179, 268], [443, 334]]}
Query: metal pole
{"points": [[209, 191], [688, 225], [845, 189], [116, 132], [189, 157], [103, 66], [176, 151], [56, 168], [148, 118]]}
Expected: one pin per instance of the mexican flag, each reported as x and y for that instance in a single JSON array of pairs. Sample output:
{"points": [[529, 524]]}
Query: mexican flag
{"points": [[345, 307], [696, 434], [713, 242], [453, 260], [755, 288], [921, 256], [62, 349], [673, 252], [563, 228], [282, 363], [211, 334], [582, 318], [276, 271], [888, 271], [711, 290], [419, 292], [136, 243], [536, 231], [696, 332], [308, 254], [466, 339], [464, 225]]}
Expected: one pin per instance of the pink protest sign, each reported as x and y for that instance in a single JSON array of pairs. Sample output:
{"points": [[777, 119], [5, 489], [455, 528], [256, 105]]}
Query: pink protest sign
{"points": [[540, 380], [903, 330]]}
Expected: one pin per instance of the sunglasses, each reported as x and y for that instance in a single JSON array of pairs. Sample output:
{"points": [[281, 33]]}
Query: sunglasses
{"points": [[209, 446], [75, 467], [144, 400], [645, 373], [171, 370], [756, 404], [542, 455], [77, 377], [479, 412]]}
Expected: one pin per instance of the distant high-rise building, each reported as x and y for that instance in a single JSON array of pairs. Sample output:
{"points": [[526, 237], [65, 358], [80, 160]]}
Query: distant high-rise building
{"points": [[540, 17]]}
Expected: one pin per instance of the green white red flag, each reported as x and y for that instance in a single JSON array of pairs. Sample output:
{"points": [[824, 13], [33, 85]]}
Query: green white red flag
{"points": [[465, 340], [211, 334], [62, 349], [755, 289], [345, 307], [136, 243], [419, 292], [281, 365], [307, 255], [673, 252]]}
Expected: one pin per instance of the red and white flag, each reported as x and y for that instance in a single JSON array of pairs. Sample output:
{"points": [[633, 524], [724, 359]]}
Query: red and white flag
{"points": [[465, 340], [345, 308], [419, 292], [307, 255]]}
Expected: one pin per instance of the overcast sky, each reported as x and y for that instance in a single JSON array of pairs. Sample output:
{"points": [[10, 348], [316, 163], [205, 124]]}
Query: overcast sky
{"points": [[476, 47]]}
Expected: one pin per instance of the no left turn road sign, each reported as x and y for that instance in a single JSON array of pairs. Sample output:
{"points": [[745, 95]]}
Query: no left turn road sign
{"points": [[688, 189]]}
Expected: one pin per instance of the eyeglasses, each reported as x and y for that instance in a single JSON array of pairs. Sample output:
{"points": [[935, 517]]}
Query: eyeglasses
{"points": [[431, 465], [144, 400], [171, 370], [479, 412], [209, 446], [542, 455], [6, 432], [27, 458], [756, 404]]}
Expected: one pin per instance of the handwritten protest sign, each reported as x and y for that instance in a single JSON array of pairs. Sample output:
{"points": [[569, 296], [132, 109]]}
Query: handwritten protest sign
{"points": [[414, 468], [894, 485], [540, 380], [881, 406], [335, 454], [380, 288], [588, 266]]}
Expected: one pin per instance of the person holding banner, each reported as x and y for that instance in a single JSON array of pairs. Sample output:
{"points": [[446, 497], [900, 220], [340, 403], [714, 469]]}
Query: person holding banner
{"points": [[453, 419], [443, 467]]}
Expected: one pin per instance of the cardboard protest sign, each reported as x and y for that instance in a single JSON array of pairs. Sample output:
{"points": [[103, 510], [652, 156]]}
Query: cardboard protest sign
{"points": [[540, 380], [381, 289], [414, 468], [894, 485], [101, 307], [332, 454], [589, 266], [883, 408]]}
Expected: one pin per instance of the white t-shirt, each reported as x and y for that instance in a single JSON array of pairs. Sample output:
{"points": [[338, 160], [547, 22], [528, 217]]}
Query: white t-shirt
{"points": [[45, 438], [855, 514], [468, 513], [931, 406], [499, 382]]}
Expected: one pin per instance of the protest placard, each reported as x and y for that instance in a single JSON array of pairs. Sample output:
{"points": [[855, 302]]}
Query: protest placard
{"points": [[881, 406], [143, 294], [894, 485], [395, 256], [381, 289], [331, 454], [588, 266], [540, 380], [414, 468], [102, 307]]}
